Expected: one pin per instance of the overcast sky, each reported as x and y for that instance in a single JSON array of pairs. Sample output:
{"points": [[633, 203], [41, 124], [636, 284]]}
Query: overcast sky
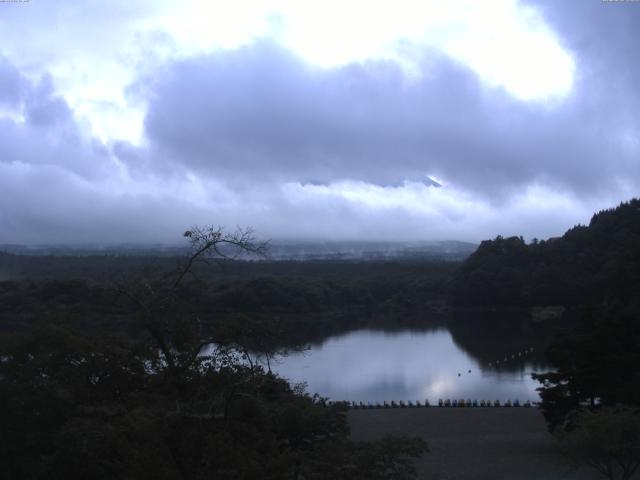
{"points": [[130, 121]]}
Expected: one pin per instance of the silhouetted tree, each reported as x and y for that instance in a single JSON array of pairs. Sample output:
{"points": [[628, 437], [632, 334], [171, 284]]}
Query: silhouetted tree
{"points": [[596, 365], [607, 440]]}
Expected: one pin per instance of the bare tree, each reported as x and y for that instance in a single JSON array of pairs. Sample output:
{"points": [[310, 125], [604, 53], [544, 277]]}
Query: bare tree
{"points": [[215, 244], [177, 335]]}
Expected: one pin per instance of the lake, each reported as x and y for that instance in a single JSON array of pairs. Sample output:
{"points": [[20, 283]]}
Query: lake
{"points": [[374, 366]]}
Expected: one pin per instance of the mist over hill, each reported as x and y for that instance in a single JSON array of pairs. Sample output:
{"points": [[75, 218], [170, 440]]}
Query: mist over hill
{"points": [[436, 250], [450, 250]]}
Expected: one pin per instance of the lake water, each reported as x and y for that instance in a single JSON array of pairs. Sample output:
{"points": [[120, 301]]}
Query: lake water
{"points": [[374, 366]]}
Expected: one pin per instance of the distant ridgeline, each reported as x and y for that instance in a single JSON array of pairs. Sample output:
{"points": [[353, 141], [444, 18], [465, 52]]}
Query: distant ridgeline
{"points": [[586, 266], [448, 250], [371, 251]]}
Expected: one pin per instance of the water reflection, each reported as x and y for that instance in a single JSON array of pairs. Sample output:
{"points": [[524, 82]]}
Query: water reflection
{"points": [[373, 366]]}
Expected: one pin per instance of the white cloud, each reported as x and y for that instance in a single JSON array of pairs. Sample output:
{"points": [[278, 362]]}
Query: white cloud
{"points": [[95, 49], [415, 210], [505, 43]]}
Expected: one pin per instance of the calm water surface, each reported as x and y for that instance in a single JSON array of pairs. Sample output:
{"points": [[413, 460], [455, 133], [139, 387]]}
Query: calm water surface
{"points": [[373, 366]]}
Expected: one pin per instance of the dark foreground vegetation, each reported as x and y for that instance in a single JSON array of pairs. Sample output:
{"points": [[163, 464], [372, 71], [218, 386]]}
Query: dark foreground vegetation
{"points": [[85, 403], [102, 373], [84, 406]]}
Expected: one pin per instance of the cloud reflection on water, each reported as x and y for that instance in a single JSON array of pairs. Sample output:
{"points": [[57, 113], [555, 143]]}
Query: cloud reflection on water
{"points": [[375, 366]]}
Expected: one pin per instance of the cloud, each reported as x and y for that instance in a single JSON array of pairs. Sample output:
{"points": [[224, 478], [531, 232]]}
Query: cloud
{"points": [[350, 209], [260, 113], [39, 129], [258, 136], [13, 85]]}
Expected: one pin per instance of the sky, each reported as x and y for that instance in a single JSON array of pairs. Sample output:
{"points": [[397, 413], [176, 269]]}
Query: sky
{"points": [[385, 121]]}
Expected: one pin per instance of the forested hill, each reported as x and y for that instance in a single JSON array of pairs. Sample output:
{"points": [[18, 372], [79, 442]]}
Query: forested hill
{"points": [[585, 266]]}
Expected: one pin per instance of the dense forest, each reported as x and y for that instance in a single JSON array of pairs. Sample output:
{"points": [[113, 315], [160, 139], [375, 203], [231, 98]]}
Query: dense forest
{"points": [[584, 266], [301, 300]]}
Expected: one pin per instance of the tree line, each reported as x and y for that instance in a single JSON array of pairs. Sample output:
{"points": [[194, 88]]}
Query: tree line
{"points": [[585, 266]]}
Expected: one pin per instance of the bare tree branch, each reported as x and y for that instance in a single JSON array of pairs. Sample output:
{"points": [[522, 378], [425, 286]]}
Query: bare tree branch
{"points": [[156, 299]]}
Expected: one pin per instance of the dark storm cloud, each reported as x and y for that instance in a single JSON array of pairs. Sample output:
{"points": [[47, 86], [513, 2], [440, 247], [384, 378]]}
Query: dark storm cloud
{"points": [[260, 112]]}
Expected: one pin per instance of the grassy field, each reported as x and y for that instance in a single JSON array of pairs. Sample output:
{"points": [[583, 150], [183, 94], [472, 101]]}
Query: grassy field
{"points": [[473, 443]]}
